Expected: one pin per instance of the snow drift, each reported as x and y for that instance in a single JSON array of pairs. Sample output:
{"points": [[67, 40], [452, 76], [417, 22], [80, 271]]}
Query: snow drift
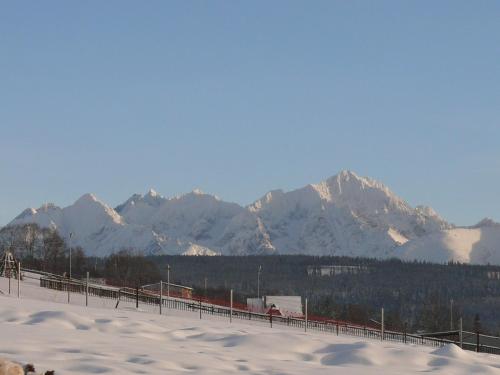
{"points": [[99, 339]]}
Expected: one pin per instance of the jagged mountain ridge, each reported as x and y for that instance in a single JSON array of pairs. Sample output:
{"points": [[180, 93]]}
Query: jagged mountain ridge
{"points": [[343, 215]]}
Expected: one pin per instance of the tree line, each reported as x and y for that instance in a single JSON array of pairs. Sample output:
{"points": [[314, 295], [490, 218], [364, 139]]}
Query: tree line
{"points": [[416, 296]]}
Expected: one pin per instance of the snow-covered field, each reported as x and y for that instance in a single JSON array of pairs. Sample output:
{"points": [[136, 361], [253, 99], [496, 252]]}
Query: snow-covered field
{"points": [[74, 339]]}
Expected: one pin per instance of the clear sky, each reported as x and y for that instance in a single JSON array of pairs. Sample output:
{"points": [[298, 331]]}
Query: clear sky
{"points": [[240, 97]]}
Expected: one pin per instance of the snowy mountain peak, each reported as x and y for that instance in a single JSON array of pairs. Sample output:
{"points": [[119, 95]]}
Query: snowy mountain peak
{"points": [[350, 180], [152, 193], [345, 214], [266, 200], [197, 194], [487, 223], [346, 174], [85, 198], [89, 205], [153, 198], [26, 214]]}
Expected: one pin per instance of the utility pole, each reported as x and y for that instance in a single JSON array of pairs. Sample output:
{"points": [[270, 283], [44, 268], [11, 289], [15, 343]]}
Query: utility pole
{"points": [[258, 281]]}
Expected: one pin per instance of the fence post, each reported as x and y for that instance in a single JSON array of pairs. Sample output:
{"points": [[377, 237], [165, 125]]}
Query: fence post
{"points": [[382, 328], [19, 279], [305, 325], [337, 328], [167, 304], [477, 341], [67, 287], [231, 308], [87, 290], [200, 307], [405, 333], [119, 296], [461, 335], [9, 282], [161, 295], [137, 297]]}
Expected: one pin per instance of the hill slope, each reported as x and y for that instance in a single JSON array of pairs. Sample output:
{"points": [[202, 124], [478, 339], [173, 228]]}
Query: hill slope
{"points": [[74, 339], [479, 245]]}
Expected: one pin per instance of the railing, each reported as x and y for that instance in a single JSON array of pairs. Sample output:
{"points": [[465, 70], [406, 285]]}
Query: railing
{"points": [[204, 306]]}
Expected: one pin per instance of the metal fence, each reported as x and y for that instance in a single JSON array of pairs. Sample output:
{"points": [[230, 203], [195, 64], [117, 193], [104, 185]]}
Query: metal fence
{"points": [[204, 306]]}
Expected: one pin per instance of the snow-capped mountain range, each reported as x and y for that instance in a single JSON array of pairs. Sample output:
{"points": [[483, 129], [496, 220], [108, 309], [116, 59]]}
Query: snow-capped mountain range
{"points": [[343, 215]]}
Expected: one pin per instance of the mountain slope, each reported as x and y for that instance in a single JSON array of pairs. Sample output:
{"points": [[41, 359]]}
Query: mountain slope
{"points": [[479, 244], [343, 215], [93, 225]]}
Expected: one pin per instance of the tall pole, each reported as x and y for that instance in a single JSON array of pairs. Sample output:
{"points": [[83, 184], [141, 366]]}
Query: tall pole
{"points": [[70, 235], [258, 281], [168, 280]]}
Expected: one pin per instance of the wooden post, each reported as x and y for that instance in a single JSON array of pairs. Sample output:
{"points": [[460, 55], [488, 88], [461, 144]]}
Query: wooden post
{"points": [[305, 325], [200, 307], [19, 280], [477, 341], [87, 290], [119, 296], [382, 328], [9, 282], [461, 335], [137, 297], [231, 308], [161, 295]]}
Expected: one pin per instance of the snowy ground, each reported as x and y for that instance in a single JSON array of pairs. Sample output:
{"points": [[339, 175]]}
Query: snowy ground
{"points": [[74, 339]]}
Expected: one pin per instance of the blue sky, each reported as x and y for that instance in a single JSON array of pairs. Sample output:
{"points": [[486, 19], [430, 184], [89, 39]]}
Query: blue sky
{"points": [[237, 98]]}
